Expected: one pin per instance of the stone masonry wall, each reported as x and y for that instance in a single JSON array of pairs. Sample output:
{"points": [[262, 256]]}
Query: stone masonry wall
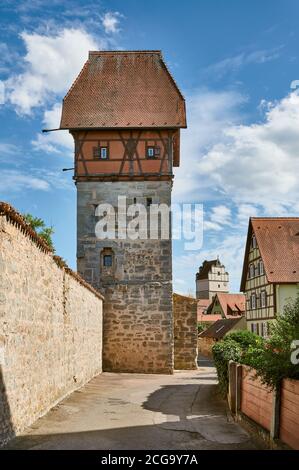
{"points": [[185, 332], [138, 320], [50, 330]]}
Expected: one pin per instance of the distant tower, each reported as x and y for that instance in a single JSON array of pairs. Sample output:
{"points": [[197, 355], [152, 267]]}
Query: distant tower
{"points": [[125, 112], [211, 279]]}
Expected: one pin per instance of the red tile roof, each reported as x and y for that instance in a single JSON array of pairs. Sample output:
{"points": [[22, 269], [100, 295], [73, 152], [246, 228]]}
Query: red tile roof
{"points": [[278, 241], [202, 316], [232, 303], [208, 318], [202, 306], [124, 89]]}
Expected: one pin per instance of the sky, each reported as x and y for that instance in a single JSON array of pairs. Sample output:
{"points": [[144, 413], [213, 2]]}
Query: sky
{"points": [[236, 64]]}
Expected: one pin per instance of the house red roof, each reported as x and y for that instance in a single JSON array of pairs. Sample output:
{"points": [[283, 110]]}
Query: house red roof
{"points": [[124, 89], [232, 304], [204, 318], [278, 242], [202, 307]]}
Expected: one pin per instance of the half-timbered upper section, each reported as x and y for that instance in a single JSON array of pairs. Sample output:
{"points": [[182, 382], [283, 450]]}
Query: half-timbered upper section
{"points": [[125, 112], [271, 268], [277, 240]]}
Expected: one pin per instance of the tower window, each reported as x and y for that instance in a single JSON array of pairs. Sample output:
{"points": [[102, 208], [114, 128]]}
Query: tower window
{"points": [[104, 153], [152, 152], [149, 201], [100, 152], [107, 260]]}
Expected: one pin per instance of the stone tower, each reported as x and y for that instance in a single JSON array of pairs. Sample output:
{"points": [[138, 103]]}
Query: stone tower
{"points": [[211, 279], [125, 112]]}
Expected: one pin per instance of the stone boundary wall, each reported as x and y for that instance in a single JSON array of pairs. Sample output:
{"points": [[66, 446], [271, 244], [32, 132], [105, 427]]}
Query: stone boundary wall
{"points": [[50, 327], [185, 332]]}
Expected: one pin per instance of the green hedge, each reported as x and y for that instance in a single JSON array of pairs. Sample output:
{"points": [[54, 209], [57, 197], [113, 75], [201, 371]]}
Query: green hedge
{"points": [[271, 358], [232, 348]]}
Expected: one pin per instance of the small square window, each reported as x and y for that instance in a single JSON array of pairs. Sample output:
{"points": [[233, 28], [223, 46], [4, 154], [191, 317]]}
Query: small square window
{"points": [[107, 260], [149, 201]]}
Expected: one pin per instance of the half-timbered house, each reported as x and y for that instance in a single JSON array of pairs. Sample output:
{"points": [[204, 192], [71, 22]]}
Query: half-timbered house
{"points": [[270, 275]]}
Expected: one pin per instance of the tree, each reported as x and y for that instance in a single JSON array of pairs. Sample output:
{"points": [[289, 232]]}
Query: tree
{"points": [[39, 226], [276, 360]]}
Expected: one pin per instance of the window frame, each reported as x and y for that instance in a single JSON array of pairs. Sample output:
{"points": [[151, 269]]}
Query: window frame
{"points": [[253, 242], [253, 304], [263, 297], [156, 152], [251, 271], [261, 267], [106, 256], [97, 152]]}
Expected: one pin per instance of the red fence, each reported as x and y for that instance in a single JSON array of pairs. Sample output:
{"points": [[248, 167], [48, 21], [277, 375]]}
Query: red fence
{"points": [[289, 413], [277, 413], [256, 399]]}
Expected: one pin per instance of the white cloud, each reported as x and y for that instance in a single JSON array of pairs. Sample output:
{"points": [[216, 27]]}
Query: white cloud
{"points": [[14, 181], [220, 214], [208, 225], [208, 113], [56, 141], [8, 150], [110, 22], [258, 164], [244, 212], [50, 66], [223, 160], [234, 63]]}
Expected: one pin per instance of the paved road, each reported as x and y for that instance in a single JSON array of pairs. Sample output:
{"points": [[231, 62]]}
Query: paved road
{"points": [[127, 411]]}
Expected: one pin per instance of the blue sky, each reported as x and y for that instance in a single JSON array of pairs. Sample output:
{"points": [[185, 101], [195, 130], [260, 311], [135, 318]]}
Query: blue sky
{"points": [[234, 62]]}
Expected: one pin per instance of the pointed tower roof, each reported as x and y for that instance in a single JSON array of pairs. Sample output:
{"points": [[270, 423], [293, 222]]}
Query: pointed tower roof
{"points": [[124, 89]]}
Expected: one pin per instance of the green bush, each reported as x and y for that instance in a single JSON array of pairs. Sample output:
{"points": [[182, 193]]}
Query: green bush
{"points": [[201, 327], [39, 226], [223, 352], [232, 348], [271, 358], [245, 338], [273, 361]]}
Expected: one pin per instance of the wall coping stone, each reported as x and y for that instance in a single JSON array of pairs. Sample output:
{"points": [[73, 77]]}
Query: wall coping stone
{"points": [[18, 220]]}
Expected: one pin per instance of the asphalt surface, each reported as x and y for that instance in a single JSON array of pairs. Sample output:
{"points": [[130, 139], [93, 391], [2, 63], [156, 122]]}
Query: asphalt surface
{"points": [[138, 411]]}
